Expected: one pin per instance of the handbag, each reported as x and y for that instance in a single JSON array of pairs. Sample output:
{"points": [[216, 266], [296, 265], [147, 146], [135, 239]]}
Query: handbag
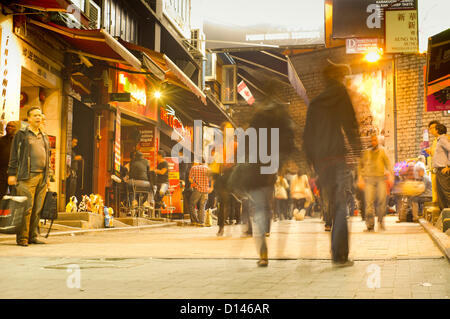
{"points": [[12, 210], [50, 209]]}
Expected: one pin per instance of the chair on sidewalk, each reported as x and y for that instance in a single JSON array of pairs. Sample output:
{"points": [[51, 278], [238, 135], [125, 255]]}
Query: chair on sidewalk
{"points": [[141, 189]]}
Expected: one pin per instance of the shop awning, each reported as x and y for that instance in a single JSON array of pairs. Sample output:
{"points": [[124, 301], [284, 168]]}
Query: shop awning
{"points": [[44, 5], [162, 66], [97, 44]]}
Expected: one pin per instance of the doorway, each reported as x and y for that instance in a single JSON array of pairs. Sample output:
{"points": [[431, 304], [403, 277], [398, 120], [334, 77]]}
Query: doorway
{"points": [[83, 129]]}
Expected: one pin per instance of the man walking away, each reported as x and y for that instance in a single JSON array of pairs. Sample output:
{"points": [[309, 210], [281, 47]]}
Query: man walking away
{"points": [[29, 169], [371, 171], [5, 150], [441, 167], [329, 114], [198, 176]]}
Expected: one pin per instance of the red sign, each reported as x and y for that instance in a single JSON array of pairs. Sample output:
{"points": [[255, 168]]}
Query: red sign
{"points": [[169, 117], [174, 186]]}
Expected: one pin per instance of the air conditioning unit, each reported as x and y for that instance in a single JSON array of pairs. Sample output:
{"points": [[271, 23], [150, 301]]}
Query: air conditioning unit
{"points": [[94, 13], [211, 66], [198, 43]]}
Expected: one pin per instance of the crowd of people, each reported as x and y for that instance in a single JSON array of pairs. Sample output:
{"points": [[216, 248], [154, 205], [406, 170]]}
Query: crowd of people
{"points": [[240, 193]]}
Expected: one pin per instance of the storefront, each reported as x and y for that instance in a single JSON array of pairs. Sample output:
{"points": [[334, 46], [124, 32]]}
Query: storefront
{"points": [[31, 71]]}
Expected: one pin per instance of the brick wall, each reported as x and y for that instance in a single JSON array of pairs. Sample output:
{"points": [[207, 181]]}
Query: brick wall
{"points": [[411, 116], [412, 119]]}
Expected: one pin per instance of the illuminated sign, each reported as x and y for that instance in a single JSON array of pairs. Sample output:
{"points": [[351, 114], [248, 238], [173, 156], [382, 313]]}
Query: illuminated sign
{"points": [[137, 92], [168, 116], [132, 92]]}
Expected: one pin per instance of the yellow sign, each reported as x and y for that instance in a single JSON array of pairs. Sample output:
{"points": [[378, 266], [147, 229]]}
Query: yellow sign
{"points": [[401, 31]]}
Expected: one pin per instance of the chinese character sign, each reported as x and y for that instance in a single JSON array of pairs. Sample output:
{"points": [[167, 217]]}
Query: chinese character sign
{"points": [[401, 31]]}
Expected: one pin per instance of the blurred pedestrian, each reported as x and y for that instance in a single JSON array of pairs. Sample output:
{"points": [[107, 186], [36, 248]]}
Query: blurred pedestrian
{"points": [[28, 169], [73, 170], [441, 166], [329, 115], [281, 198], [259, 184], [430, 151], [5, 150], [372, 168]]}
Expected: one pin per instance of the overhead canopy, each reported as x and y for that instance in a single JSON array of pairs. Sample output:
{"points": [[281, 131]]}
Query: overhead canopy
{"points": [[44, 5], [161, 64], [187, 103], [93, 43]]}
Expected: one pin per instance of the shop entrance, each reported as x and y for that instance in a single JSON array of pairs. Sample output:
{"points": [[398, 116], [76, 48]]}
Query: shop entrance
{"points": [[83, 129]]}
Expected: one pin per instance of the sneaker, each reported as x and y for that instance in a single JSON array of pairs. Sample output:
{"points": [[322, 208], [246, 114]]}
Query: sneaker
{"points": [[327, 228], [267, 234], [22, 243], [340, 264]]}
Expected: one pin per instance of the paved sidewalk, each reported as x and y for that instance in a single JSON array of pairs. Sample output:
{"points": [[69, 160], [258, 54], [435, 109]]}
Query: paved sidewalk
{"points": [[222, 278], [289, 240]]}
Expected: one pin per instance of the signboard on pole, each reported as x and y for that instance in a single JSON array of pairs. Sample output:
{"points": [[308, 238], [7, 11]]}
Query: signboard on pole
{"points": [[402, 31], [174, 187]]}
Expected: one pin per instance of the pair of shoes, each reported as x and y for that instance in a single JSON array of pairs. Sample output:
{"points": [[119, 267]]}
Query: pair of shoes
{"points": [[340, 264], [327, 228], [22, 243], [36, 242], [263, 263], [220, 232]]}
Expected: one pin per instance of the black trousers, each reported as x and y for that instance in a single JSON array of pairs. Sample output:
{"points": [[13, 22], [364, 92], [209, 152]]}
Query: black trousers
{"points": [[443, 189], [334, 180]]}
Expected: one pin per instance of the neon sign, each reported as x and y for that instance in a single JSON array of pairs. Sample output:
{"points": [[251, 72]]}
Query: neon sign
{"points": [[137, 93], [168, 116]]}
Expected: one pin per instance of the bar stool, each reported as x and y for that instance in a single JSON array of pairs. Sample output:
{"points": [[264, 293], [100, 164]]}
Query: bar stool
{"points": [[140, 188]]}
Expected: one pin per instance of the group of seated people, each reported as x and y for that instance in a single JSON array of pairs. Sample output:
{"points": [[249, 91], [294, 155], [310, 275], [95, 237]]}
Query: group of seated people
{"points": [[142, 185]]}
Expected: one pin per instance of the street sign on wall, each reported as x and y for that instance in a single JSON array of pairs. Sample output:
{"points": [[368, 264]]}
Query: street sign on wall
{"points": [[355, 46], [401, 31]]}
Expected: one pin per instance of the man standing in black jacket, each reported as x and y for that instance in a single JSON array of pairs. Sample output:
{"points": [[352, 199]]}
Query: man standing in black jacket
{"points": [[29, 169], [329, 115]]}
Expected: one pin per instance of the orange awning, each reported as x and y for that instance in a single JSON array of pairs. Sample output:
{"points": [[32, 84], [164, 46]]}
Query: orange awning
{"points": [[160, 63], [97, 44]]}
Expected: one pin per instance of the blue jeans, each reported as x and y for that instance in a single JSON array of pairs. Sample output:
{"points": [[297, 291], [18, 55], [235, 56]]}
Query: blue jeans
{"points": [[261, 207], [375, 194], [334, 181]]}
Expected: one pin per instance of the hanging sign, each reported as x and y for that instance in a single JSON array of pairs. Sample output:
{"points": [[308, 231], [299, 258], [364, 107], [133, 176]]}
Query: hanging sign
{"points": [[401, 31]]}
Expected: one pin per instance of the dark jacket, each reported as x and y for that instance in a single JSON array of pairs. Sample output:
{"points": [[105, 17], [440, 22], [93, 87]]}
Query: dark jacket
{"points": [[328, 115], [19, 160], [246, 177], [5, 151], [139, 168]]}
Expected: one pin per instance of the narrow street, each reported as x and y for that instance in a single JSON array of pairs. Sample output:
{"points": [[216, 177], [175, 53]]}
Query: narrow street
{"points": [[191, 262]]}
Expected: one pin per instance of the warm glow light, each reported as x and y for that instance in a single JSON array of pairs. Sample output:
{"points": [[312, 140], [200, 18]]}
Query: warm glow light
{"points": [[157, 94], [373, 56]]}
